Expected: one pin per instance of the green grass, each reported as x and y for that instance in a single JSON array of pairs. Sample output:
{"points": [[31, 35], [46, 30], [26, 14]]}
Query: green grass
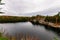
{"points": [[55, 38], [2, 38]]}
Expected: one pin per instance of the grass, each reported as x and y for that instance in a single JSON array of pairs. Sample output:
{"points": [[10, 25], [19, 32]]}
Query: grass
{"points": [[55, 38], [2, 38]]}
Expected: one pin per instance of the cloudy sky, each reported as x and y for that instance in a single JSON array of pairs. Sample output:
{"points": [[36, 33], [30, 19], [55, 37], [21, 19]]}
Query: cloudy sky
{"points": [[31, 7]]}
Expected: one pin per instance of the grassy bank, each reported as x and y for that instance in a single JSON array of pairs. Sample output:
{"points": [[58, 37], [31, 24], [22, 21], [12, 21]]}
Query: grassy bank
{"points": [[2, 37], [10, 19]]}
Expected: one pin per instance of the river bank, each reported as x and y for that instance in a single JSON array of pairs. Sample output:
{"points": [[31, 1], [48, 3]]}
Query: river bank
{"points": [[12, 19], [49, 24]]}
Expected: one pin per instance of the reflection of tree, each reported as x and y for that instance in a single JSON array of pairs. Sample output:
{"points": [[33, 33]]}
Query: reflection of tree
{"points": [[22, 36], [55, 30]]}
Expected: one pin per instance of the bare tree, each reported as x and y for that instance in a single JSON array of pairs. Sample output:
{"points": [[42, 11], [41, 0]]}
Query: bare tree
{"points": [[1, 8]]}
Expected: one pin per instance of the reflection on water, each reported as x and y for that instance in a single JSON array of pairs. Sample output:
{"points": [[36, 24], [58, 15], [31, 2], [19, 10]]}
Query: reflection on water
{"points": [[22, 36], [27, 29], [55, 30]]}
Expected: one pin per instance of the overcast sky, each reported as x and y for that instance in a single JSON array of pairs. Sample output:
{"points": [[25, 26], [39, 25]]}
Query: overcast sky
{"points": [[31, 7]]}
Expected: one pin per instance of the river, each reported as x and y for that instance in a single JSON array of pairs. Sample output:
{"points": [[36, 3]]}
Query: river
{"points": [[28, 28]]}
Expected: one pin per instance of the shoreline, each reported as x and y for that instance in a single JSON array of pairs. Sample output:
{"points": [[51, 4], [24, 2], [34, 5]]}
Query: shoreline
{"points": [[49, 24], [13, 19]]}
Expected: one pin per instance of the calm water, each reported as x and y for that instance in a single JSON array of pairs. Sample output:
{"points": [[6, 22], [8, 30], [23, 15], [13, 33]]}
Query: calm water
{"points": [[28, 28]]}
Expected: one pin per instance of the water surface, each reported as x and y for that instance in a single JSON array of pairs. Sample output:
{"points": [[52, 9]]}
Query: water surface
{"points": [[28, 28]]}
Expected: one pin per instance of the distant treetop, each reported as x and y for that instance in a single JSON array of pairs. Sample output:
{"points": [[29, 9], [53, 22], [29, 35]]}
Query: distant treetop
{"points": [[58, 14]]}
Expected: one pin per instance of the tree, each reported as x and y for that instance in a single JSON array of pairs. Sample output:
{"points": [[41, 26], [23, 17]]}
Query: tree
{"points": [[0, 5], [0, 1]]}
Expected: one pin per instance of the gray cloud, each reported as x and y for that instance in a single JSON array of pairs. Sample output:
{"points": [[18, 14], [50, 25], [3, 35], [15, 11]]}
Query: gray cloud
{"points": [[49, 11], [32, 7]]}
